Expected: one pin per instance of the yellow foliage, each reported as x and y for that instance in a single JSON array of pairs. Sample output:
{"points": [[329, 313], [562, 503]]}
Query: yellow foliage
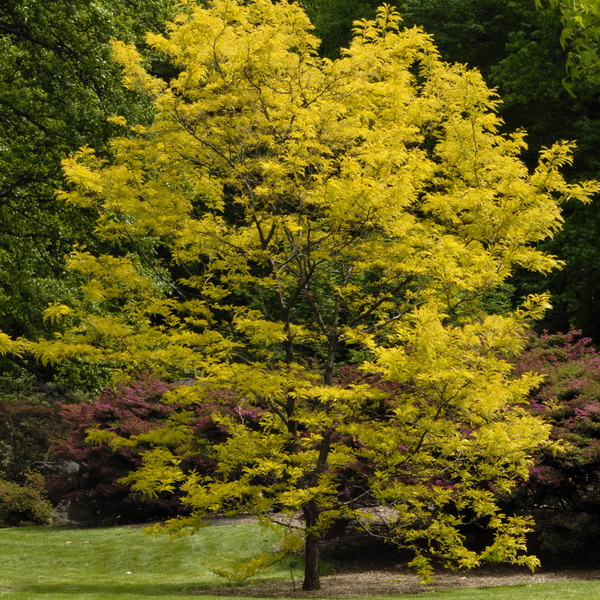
{"points": [[135, 77]]}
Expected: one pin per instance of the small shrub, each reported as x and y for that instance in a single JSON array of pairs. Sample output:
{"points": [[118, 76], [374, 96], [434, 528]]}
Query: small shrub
{"points": [[24, 504]]}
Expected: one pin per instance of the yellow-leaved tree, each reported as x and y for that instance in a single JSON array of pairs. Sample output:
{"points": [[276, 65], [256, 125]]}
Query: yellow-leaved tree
{"points": [[286, 215]]}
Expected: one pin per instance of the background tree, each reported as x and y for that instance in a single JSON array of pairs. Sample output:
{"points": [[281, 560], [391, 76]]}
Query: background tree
{"points": [[286, 214], [58, 86], [517, 48], [581, 36], [333, 21], [530, 78]]}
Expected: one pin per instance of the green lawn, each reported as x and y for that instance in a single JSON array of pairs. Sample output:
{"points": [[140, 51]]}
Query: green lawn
{"points": [[46, 563], [124, 563], [580, 590]]}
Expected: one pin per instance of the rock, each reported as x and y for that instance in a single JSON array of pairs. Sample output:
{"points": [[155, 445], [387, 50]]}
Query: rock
{"points": [[73, 513], [54, 467]]}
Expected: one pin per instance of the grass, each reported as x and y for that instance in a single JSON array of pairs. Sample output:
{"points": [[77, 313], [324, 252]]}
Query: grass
{"points": [[56, 564], [573, 590], [124, 563]]}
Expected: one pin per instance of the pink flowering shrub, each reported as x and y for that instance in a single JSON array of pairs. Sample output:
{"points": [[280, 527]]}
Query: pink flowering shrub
{"points": [[127, 409], [564, 488]]}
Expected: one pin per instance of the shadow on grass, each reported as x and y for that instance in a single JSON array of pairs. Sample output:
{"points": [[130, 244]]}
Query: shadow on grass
{"points": [[118, 589]]}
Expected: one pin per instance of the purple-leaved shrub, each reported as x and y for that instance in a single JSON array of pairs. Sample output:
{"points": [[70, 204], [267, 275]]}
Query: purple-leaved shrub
{"points": [[564, 488], [127, 409]]}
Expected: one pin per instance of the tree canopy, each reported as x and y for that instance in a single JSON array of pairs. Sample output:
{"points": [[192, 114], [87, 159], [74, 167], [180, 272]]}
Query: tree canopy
{"points": [[285, 215]]}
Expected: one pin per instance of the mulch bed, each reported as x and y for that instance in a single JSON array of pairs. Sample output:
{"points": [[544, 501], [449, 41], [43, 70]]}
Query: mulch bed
{"points": [[399, 581]]}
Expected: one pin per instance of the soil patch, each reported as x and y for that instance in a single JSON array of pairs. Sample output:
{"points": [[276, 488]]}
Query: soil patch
{"points": [[398, 581]]}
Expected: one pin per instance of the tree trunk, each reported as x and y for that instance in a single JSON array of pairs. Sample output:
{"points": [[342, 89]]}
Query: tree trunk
{"points": [[312, 579], [311, 511]]}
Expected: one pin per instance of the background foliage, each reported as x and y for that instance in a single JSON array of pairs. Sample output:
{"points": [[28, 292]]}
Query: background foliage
{"points": [[24, 504], [95, 492], [59, 85]]}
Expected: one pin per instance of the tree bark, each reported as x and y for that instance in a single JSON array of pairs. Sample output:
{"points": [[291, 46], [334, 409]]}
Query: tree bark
{"points": [[312, 578]]}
